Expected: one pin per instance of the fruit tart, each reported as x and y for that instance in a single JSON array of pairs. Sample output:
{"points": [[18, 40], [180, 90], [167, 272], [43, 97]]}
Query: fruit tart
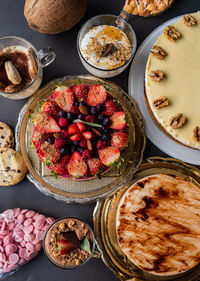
{"points": [[80, 131]]}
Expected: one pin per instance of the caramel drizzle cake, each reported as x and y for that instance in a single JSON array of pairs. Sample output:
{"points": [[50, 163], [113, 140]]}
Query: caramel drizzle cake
{"points": [[158, 224], [172, 80]]}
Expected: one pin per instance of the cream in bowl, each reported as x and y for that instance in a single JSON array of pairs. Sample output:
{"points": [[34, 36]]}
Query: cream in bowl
{"points": [[105, 48]]}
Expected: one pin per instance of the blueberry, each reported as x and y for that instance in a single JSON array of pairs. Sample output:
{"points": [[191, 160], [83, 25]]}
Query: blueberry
{"points": [[100, 117], [64, 151], [70, 115], [75, 142], [82, 103], [62, 113], [81, 116], [105, 137], [93, 110], [106, 130], [51, 140], [73, 148], [99, 107], [80, 150], [106, 121], [76, 103]]}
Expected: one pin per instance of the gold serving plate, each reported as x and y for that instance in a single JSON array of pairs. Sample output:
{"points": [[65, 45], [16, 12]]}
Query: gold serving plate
{"points": [[84, 191], [104, 218]]}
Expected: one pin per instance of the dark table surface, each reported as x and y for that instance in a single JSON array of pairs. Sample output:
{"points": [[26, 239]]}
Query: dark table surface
{"points": [[25, 194]]}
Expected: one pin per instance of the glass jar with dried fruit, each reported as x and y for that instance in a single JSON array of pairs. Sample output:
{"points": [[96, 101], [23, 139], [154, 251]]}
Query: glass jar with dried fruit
{"points": [[146, 8]]}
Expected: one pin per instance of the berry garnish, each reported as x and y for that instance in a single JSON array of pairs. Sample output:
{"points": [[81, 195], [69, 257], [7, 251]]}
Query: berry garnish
{"points": [[77, 166], [119, 139], [94, 166], [50, 139], [83, 143], [97, 95], [62, 122], [101, 144], [81, 92], [73, 129], [62, 113], [44, 123], [61, 167], [51, 108], [76, 137], [87, 154], [64, 97], [65, 246], [109, 155], [118, 120], [58, 143], [110, 107], [90, 118]]}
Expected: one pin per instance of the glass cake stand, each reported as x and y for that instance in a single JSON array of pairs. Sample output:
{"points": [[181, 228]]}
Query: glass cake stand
{"points": [[84, 191]]}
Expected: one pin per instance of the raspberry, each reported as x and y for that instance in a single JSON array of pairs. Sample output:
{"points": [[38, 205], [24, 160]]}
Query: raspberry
{"points": [[101, 144], [87, 154], [90, 118], [75, 110], [62, 122], [65, 132], [83, 143], [58, 143]]}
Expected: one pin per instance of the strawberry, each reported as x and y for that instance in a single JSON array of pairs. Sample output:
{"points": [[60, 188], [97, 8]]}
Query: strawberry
{"points": [[64, 97], [90, 118], [94, 166], [77, 166], [44, 123], [87, 135], [110, 108], [109, 155], [96, 95], [73, 129], [38, 139], [118, 120], [65, 246], [119, 139], [81, 92], [51, 108], [76, 137], [58, 143], [81, 126], [61, 166], [41, 155], [49, 152], [101, 144]]}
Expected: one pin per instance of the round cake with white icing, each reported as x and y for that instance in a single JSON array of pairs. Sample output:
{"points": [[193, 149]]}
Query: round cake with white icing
{"points": [[172, 80]]}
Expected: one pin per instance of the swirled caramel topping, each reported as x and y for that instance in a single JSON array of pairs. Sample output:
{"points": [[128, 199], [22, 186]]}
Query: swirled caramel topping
{"points": [[158, 224]]}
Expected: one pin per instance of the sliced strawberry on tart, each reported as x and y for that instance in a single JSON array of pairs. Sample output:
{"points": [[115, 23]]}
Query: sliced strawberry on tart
{"points": [[80, 131]]}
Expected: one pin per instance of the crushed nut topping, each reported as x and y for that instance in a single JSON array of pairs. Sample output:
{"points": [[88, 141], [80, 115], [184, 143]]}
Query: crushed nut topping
{"points": [[172, 33], [158, 52], [177, 121], [156, 75], [160, 102], [189, 20], [196, 134], [59, 135]]}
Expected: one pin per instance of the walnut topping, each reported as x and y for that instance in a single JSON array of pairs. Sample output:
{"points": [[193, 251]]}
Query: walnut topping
{"points": [[177, 121], [158, 52], [172, 33], [156, 75], [189, 20], [196, 134], [160, 102]]}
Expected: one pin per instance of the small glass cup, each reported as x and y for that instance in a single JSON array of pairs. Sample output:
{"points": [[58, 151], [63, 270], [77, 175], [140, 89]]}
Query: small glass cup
{"points": [[112, 20], [94, 251], [44, 57]]}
